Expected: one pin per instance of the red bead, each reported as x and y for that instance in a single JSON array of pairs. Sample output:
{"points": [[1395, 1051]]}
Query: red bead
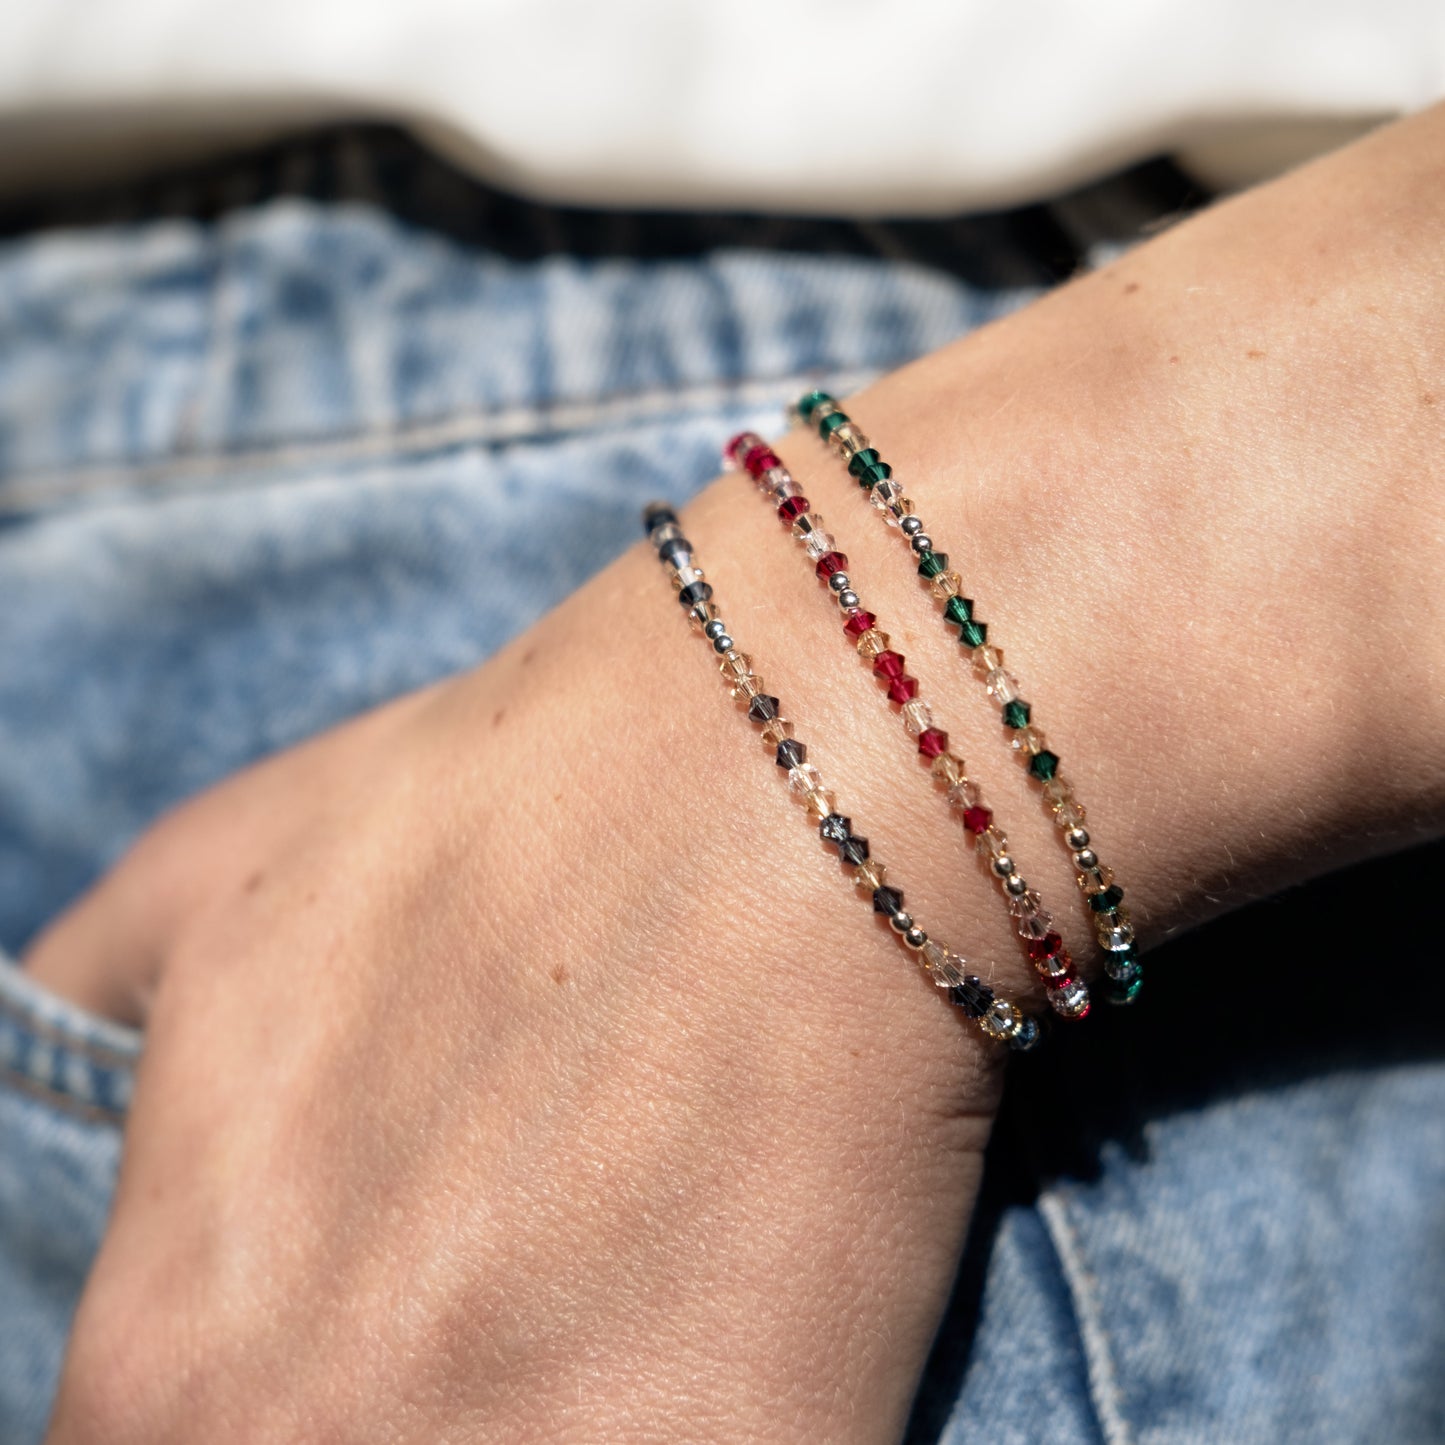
{"points": [[903, 689], [977, 819], [932, 742], [889, 665], [858, 622], [829, 563], [760, 459], [739, 446], [792, 508], [1045, 947]]}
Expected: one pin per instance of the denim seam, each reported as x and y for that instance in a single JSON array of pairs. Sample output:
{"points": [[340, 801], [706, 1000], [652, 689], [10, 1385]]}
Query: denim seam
{"points": [[55, 1098], [101, 1055], [505, 427], [1104, 1391]]}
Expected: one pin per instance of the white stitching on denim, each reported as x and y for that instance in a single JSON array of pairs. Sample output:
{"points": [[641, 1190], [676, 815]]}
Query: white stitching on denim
{"points": [[508, 426], [1098, 1356]]}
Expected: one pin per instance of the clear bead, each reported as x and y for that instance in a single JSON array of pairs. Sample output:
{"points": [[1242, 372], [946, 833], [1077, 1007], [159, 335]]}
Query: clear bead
{"points": [[916, 717], [1114, 930], [735, 664], [1003, 687], [850, 441], [872, 642], [897, 510], [820, 802], [777, 731], [946, 969], [1034, 925], [885, 492], [1070, 814], [804, 778], [818, 542], [785, 489], [987, 659], [965, 793], [1095, 880], [1024, 905], [1027, 740], [992, 843], [749, 686], [820, 411], [774, 478], [1002, 1021], [948, 769], [1072, 1000], [946, 584], [870, 875], [686, 576], [1058, 790], [701, 613], [668, 532], [807, 524]]}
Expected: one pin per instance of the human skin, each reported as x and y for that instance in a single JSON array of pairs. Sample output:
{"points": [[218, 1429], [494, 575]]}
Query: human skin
{"points": [[518, 1064]]}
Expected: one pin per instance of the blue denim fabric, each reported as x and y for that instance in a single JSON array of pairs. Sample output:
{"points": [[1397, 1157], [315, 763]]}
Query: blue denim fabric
{"points": [[260, 472]]}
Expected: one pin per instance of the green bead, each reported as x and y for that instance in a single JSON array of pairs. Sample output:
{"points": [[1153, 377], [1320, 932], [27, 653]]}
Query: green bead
{"points": [[1122, 993], [1044, 765], [973, 634], [871, 476], [1015, 714], [831, 423], [958, 610], [811, 400], [868, 457], [930, 564], [1108, 901]]}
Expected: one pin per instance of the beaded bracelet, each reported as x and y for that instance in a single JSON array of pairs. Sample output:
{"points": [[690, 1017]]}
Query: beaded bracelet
{"points": [[1096, 880], [1066, 992], [995, 1017]]}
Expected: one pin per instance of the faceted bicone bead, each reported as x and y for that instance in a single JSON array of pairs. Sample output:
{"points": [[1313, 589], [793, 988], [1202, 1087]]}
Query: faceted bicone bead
{"points": [[804, 527], [659, 514], [701, 613], [1049, 946], [887, 901], [1114, 930], [809, 401], [831, 423], [804, 779], [932, 742], [750, 686], [865, 458], [763, 708], [885, 493], [992, 842], [1122, 972], [1044, 765], [1053, 965], [1070, 1000], [675, 551], [858, 622], [695, 592], [854, 850], [770, 481], [1002, 1020], [948, 769], [978, 820], [735, 664], [1002, 686], [777, 731], [931, 564], [889, 664], [784, 487], [1058, 791], [871, 875], [793, 507], [899, 508], [835, 828], [873, 643], [819, 544], [1108, 901], [819, 802], [1027, 1036], [871, 476], [973, 996], [1022, 904], [1125, 993], [1095, 880], [943, 967], [958, 609], [829, 563], [917, 718], [1015, 714], [758, 460], [791, 753], [1033, 925], [1118, 960], [1070, 814], [903, 689], [987, 660], [946, 585], [965, 794], [739, 446], [850, 440], [972, 634]]}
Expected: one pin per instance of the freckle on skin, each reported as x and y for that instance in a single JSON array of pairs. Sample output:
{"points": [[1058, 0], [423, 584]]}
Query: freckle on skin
{"points": [[559, 974], [1427, 398], [1131, 288], [497, 717], [253, 882], [1254, 355], [1173, 361], [527, 656]]}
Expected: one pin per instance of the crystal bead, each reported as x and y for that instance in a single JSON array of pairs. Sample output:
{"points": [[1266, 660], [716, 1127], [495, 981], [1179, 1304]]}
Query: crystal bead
{"points": [[791, 753], [763, 708], [870, 875], [701, 613], [932, 564], [887, 901], [831, 423], [1033, 925], [858, 622], [804, 779], [785, 489], [805, 404], [1049, 946], [657, 514], [738, 446], [818, 544], [747, 687], [973, 996], [791, 508], [694, 593], [1052, 966], [829, 563], [916, 717], [903, 689], [933, 742], [972, 634], [989, 841], [777, 731], [976, 818], [1114, 930], [1096, 879], [1125, 993], [945, 968], [873, 643], [1057, 791], [871, 476], [771, 481], [1002, 1020], [1122, 972], [806, 525], [987, 660], [835, 828], [1028, 740], [1044, 765], [853, 850], [850, 441], [865, 456], [889, 664], [948, 769], [946, 585], [884, 494], [735, 664], [685, 576], [1071, 1000], [1025, 903], [1027, 1036], [819, 802], [897, 510], [1015, 714], [1108, 901], [1070, 814], [760, 459]]}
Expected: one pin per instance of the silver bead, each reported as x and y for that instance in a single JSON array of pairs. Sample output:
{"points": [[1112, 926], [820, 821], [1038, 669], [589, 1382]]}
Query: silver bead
{"points": [[1002, 866], [1016, 884], [714, 629], [838, 582], [900, 922], [1077, 837], [1085, 860], [922, 543], [911, 525], [848, 600], [915, 938], [722, 643]]}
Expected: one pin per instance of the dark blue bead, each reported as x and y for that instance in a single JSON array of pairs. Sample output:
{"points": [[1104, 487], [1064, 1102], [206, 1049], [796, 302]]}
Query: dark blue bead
{"points": [[694, 593], [973, 996], [835, 829], [763, 708], [854, 851], [887, 900], [657, 514], [676, 553], [791, 754]]}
